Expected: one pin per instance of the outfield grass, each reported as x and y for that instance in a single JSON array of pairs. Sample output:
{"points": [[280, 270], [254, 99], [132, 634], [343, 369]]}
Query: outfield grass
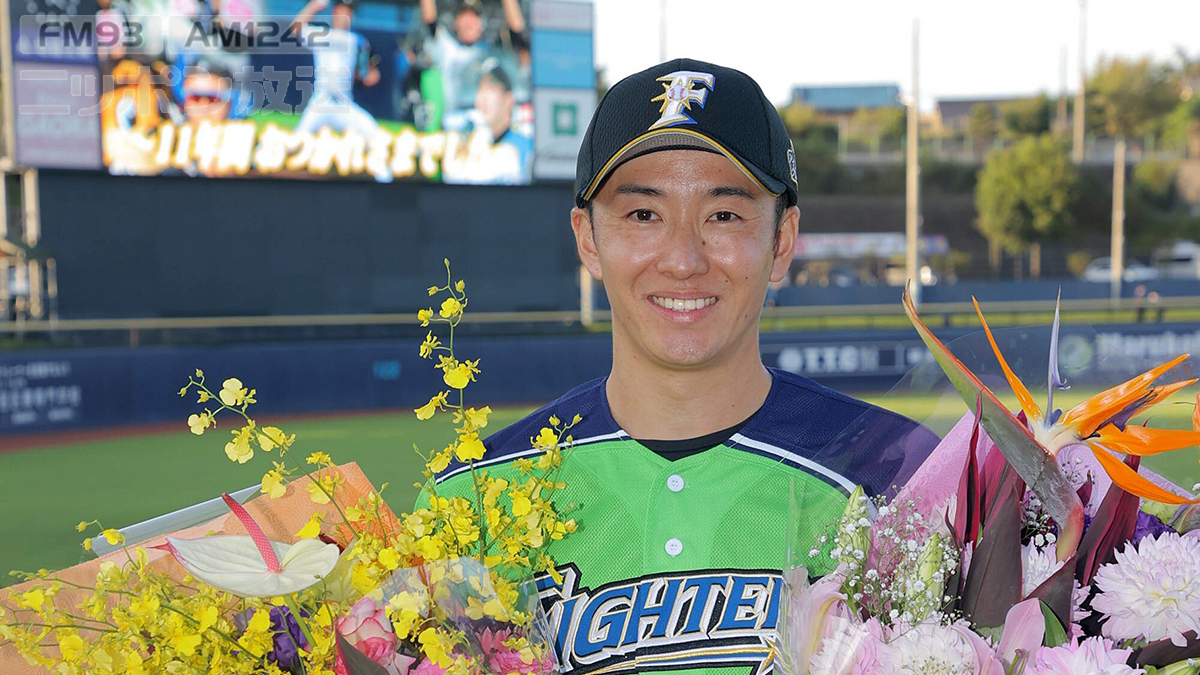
{"points": [[47, 490]]}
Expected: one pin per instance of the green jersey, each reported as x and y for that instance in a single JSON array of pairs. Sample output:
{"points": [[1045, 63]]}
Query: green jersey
{"points": [[676, 564]]}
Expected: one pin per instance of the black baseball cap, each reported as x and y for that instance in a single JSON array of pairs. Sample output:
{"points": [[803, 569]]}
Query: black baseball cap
{"points": [[688, 104], [469, 6]]}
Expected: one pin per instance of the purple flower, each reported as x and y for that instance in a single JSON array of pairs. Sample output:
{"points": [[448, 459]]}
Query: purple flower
{"points": [[286, 637], [1147, 525]]}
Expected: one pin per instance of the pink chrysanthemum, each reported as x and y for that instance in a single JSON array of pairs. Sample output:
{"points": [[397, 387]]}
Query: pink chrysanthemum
{"points": [[1093, 656], [853, 648], [1152, 591], [932, 649]]}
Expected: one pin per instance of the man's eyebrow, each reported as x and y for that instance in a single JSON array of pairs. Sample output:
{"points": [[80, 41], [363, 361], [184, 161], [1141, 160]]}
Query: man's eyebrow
{"points": [[635, 189], [731, 191]]}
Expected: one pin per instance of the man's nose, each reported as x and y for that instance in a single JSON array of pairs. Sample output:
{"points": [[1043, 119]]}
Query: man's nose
{"points": [[684, 253]]}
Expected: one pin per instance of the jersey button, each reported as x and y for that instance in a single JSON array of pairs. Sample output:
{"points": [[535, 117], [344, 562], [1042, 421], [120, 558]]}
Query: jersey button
{"points": [[675, 482], [674, 547]]}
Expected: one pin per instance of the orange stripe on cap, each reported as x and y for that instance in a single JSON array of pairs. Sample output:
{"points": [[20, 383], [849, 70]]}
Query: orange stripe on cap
{"points": [[608, 166]]}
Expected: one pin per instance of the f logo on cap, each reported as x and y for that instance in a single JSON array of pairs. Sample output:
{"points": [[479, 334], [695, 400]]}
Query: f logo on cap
{"points": [[679, 94]]}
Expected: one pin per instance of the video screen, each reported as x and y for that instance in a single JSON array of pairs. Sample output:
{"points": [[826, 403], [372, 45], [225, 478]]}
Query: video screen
{"points": [[427, 90]]}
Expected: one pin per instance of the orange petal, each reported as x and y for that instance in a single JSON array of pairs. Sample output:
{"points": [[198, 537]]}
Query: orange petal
{"points": [[1166, 391], [1089, 415], [1142, 441], [1023, 396], [1133, 483], [1196, 414]]}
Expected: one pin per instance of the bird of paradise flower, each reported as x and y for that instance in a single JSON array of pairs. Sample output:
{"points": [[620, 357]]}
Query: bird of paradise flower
{"points": [[1101, 423]]}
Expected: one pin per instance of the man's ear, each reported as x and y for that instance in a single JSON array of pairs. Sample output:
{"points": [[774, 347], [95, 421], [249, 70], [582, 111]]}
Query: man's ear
{"points": [[785, 243], [585, 242]]}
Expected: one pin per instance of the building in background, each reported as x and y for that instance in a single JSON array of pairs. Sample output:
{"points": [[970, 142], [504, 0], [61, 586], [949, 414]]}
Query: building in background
{"points": [[954, 114], [840, 101]]}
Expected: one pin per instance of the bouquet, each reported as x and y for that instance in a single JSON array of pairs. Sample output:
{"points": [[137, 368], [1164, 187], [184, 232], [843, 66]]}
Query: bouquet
{"points": [[358, 590], [1028, 544]]}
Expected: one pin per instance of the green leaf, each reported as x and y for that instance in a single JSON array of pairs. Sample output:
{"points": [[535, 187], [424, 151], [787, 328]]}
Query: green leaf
{"points": [[1055, 633], [1037, 468], [357, 663]]}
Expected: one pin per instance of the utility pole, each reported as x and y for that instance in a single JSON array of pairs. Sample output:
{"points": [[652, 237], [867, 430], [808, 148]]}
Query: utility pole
{"points": [[1117, 255], [1060, 117], [662, 31], [1080, 97], [912, 193]]}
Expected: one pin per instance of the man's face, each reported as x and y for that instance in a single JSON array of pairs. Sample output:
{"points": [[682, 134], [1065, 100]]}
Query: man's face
{"points": [[495, 103], [343, 16], [468, 26], [685, 245], [206, 97]]}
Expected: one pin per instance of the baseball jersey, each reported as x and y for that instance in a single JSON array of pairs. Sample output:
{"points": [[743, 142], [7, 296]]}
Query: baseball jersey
{"points": [[676, 564], [337, 58]]}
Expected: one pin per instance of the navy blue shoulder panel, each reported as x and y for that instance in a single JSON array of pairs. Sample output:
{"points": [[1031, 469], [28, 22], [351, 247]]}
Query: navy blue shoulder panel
{"points": [[859, 442], [588, 400]]}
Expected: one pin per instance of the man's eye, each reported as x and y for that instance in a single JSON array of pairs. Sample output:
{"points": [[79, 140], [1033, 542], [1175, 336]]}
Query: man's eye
{"points": [[643, 215], [725, 216]]}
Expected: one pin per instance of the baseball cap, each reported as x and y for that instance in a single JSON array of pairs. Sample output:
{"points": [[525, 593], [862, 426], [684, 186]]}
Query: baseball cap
{"points": [[688, 104], [470, 6], [492, 69]]}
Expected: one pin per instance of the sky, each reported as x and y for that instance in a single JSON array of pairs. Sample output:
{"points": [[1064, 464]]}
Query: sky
{"points": [[968, 48]]}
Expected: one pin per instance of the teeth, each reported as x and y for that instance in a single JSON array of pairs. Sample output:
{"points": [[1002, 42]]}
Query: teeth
{"points": [[679, 305]]}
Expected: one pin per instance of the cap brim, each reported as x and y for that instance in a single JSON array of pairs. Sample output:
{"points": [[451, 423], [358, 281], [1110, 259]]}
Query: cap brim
{"points": [[679, 139]]}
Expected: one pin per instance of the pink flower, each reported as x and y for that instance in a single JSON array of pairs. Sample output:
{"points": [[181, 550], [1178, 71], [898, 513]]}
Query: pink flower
{"points": [[933, 648], [510, 661], [493, 641], [504, 659], [427, 667], [812, 614], [1093, 656], [370, 631], [854, 648]]}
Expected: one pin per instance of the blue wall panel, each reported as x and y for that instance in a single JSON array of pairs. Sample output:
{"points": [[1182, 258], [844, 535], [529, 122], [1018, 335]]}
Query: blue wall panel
{"points": [[65, 389]]}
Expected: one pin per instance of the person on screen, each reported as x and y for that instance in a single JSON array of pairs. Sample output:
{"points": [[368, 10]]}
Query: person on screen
{"points": [[457, 53], [207, 94], [512, 152], [340, 58]]}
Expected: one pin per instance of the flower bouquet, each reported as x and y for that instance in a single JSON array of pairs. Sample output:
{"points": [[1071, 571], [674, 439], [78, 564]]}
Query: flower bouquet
{"points": [[354, 590], [1027, 544]]}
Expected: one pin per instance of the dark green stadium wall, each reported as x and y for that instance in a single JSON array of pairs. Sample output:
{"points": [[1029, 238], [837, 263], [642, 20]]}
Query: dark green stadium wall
{"points": [[161, 247]]}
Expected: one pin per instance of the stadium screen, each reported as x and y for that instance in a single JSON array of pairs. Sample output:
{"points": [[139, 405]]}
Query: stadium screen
{"points": [[435, 90]]}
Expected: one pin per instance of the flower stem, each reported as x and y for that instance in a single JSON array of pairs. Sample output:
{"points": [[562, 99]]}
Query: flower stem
{"points": [[291, 603]]}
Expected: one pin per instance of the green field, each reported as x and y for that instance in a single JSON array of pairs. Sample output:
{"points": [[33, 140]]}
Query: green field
{"points": [[47, 490]]}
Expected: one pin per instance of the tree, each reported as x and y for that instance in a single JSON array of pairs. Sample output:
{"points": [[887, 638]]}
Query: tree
{"points": [[981, 126], [797, 118], [1025, 196], [1183, 124], [1133, 96], [874, 125], [1026, 117]]}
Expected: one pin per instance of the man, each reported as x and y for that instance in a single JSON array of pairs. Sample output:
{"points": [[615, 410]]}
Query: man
{"points": [[691, 455], [506, 156], [456, 54], [340, 57]]}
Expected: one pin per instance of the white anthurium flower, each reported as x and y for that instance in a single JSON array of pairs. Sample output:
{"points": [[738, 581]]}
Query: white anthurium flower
{"points": [[251, 566]]}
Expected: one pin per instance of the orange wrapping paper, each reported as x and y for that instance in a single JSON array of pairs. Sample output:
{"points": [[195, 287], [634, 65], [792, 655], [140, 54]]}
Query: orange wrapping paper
{"points": [[279, 518]]}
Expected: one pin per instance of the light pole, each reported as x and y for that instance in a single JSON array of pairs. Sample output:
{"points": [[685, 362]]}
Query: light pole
{"points": [[1080, 98], [912, 193], [662, 31]]}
